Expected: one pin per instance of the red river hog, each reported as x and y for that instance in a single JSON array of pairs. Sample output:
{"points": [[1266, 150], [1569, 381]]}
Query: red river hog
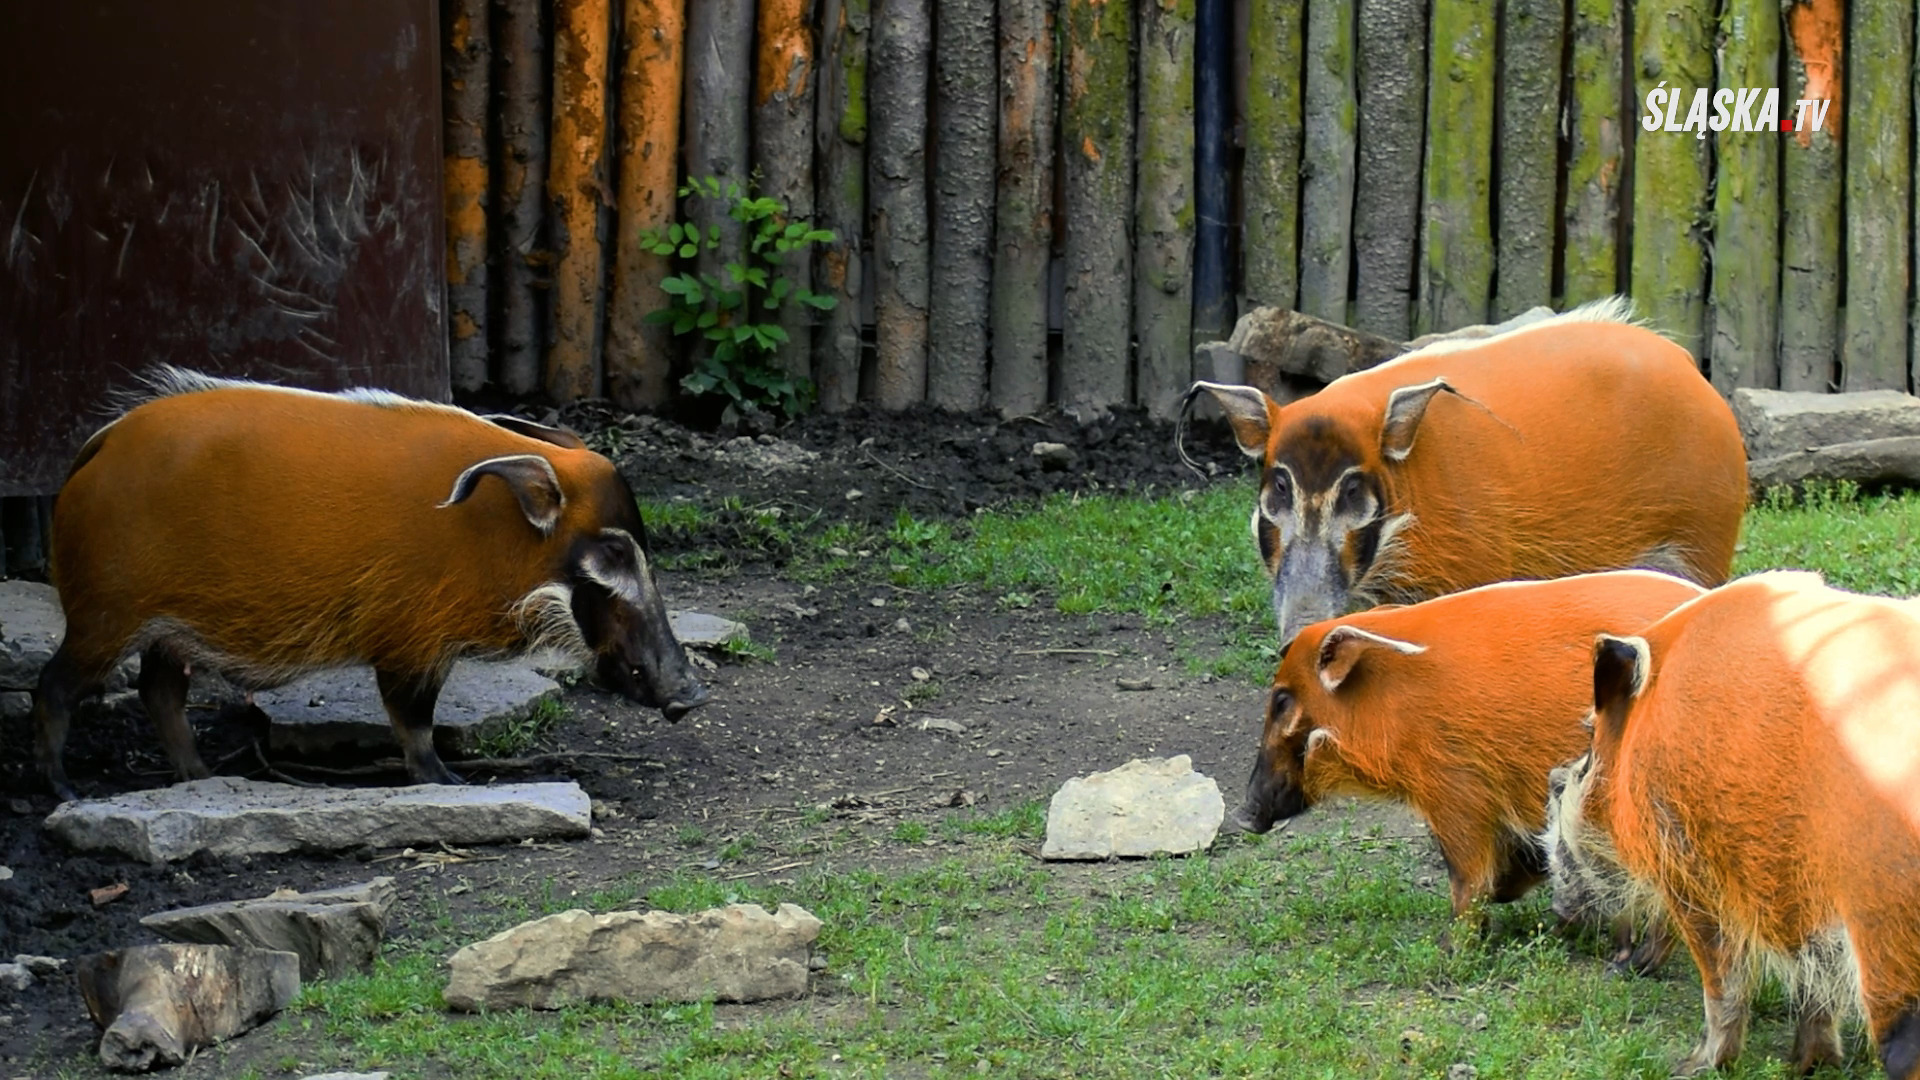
{"points": [[267, 532], [1755, 765], [1576, 444], [1458, 707]]}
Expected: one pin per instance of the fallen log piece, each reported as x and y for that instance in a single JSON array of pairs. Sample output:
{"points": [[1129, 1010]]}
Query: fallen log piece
{"points": [[159, 1003], [334, 932], [1868, 462]]}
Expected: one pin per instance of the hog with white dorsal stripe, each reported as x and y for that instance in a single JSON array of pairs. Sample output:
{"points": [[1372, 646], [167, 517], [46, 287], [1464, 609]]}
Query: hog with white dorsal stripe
{"points": [[268, 532], [1572, 445]]}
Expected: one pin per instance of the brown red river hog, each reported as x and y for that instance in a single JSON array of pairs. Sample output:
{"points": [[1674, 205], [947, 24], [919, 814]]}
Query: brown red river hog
{"points": [[268, 532], [1755, 763], [1458, 707], [1575, 444]]}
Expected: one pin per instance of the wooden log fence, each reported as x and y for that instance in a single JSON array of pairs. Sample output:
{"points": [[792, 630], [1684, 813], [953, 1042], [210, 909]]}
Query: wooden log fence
{"points": [[1019, 189]]}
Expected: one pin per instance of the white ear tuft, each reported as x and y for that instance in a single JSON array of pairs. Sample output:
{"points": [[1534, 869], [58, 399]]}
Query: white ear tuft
{"points": [[1343, 647]]}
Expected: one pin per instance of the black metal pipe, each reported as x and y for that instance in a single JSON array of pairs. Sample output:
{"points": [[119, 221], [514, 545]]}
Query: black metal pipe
{"points": [[1212, 131]]}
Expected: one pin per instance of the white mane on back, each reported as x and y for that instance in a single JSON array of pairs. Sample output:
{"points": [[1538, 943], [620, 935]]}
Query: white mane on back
{"points": [[1615, 310]]}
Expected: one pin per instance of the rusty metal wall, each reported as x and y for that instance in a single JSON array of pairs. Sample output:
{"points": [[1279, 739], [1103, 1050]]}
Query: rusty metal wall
{"points": [[246, 189]]}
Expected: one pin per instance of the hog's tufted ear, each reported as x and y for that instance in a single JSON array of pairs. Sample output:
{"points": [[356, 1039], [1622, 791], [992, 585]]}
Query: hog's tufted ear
{"points": [[1619, 674], [1249, 413], [534, 484], [1345, 646]]}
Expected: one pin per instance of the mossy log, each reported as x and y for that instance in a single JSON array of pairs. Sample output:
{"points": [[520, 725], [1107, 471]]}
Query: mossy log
{"points": [[1163, 227], [577, 187], [1746, 211], [840, 198], [1326, 188], [1456, 262], [1596, 166], [715, 107], [1386, 199], [1270, 171], [1810, 235], [520, 34], [1533, 34], [469, 56], [783, 149], [647, 142], [1023, 207], [1097, 144], [1879, 175], [965, 121], [897, 198], [1673, 43]]}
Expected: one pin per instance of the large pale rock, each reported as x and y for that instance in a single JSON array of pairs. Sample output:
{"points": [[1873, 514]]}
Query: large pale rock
{"points": [[159, 1003], [337, 710], [1149, 806], [228, 815], [334, 932], [735, 953], [703, 630], [31, 627], [1873, 462], [1776, 423]]}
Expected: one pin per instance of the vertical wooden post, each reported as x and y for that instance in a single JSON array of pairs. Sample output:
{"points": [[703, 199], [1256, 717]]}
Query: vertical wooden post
{"points": [[1386, 197], [1163, 228], [522, 36], [1097, 143], [897, 187], [1810, 238], [640, 355], [1023, 207], [1326, 195], [1457, 242], [1590, 267], [1879, 172], [1673, 42], [469, 56], [714, 124], [1746, 210], [962, 282], [840, 201], [576, 182], [783, 150], [1214, 63], [1270, 249], [1529, 110]]}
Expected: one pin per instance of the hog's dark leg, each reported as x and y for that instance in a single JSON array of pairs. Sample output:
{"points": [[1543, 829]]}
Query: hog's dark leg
{"points": [[410, 699], [61, 688], [163, 690]]}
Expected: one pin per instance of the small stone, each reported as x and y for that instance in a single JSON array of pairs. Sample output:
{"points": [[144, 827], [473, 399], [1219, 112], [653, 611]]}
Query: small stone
{"points": [[351, 1076], [1462, 1071], [902, 626], [878, 601], [107, 894], [15, 704], [160, 1003], [920, 674], [740, 952], [41, 966], [839, 552], [20, 806], [1053, 456], [855, 494], [1479, 1022], [817, 962], [6, 873], [706, 631], [15, 977], [951, 727], [1125, 683], [1146, 807], [944, 931]]}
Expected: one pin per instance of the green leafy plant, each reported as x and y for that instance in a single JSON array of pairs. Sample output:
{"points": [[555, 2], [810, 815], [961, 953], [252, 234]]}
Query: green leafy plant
{"points": [[736, 312]]}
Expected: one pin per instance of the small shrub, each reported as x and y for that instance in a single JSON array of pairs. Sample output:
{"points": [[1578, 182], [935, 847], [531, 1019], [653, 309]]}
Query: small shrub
{"points": [[736, 315]]}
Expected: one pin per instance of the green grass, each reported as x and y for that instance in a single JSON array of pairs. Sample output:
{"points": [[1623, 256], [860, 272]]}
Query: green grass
{"points": [[1861, 543], [1303, 956], [520, 734]]}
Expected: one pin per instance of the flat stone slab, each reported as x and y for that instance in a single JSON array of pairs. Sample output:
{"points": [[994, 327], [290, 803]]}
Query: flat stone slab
{"points": [[340, 710], [228, 815], [1776, 423], [1149, 806], [736, 953], [703, 630], [31, 628], [1871, 462], [335, 932]]}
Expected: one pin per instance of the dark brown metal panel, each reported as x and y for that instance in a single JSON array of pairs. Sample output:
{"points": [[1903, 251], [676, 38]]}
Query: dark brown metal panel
{"points": [[248, 189]]}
